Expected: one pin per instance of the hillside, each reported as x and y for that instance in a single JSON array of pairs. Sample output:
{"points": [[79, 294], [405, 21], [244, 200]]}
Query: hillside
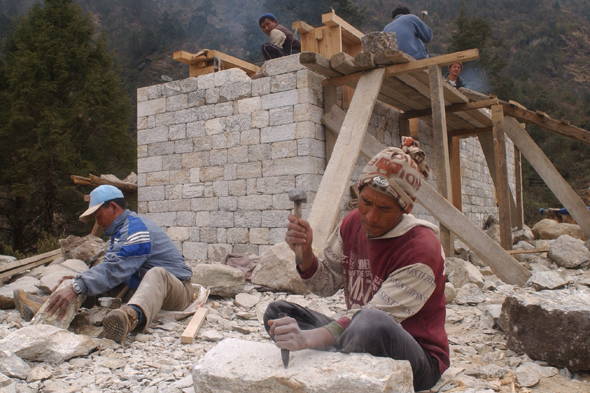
{"points": [[543, 46]]}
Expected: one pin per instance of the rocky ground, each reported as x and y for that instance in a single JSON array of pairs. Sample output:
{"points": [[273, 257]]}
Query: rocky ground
{"points": [[156, 361]]}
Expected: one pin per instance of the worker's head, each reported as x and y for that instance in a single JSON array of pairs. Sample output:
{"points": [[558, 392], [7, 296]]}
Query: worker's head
{"points": [[455, 68], [106, 203], [388, 185], [267, 23], [400, 11]]}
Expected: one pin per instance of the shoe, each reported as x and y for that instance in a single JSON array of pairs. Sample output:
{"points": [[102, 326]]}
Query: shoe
{"points": [[27, 304], [118, 323]]}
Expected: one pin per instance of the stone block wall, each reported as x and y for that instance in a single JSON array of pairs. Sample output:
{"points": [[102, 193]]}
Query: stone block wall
{"points": [[217, 155]]}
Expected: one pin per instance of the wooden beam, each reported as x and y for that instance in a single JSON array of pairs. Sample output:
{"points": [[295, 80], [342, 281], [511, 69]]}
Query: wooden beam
{"points": [[318, 64], [462, 107], [302, 27], [196, 70], [331, 109], [502, 264], [189, 334], [529, 251], [22, 265], [502, 188], [331, 19], [518, 214], [440, 147], [467, 132], [455, 155], [538, 160], [396, 69], [345, 64], [334, 183], [546, 122]]}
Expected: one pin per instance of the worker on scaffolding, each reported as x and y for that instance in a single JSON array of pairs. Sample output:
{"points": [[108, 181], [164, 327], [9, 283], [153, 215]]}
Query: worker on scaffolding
{"points": [[411, 32], [282, 41]]}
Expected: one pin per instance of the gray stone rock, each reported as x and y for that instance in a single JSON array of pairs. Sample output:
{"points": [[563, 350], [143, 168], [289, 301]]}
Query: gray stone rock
{"points": [[551, 229], [46, 343], [547, 280], [6, 383], [6, 259], [524, 234], [569, 252], [52, 276], [222, 280], [461, 272], [251, 367], [450, 292], [26, 283], [470, 294], [276, 270], [246, 300], [13, 366], [529, 374], [88, 249], [40, 373], [551, 326], [76, 265]]}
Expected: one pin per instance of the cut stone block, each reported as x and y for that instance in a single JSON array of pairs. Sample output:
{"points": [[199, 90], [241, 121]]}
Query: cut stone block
{"points": [[222, 280], [551, 326], [251, 367], [46, 343], [276, 270]]}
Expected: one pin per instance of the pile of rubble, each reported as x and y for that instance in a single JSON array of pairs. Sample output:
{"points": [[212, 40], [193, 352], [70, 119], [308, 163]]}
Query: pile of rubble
{"points": [[502, 338]]}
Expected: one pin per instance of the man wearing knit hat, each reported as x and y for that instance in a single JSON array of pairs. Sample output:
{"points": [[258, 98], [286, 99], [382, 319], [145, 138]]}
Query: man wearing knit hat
{"points": [[281, 40], [140, 255], [391, 267]]}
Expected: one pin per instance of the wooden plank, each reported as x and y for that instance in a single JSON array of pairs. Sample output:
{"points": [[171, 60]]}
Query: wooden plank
{"points": [[538, 160], [331, 109], [518, 213], [440, 148], [195, 70], [345, 64], [330, 42], [34, 261], [501, 263], [318, 64], [467, 132], [396, 69], [228, 61], [491, 253], [461, 107], [331, 19], [546, 122], [529, 251], [183, 56], [189, 334], [414, 128], [501, 183], [455, 155], [334, 183], [302, 27]]}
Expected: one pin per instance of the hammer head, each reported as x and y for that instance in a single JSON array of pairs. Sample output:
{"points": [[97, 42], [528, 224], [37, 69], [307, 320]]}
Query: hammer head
{"points": [[297, 196]]}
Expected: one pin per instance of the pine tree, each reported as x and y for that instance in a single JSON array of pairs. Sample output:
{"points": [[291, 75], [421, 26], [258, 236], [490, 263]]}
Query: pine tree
{"points": [[62, 111]]}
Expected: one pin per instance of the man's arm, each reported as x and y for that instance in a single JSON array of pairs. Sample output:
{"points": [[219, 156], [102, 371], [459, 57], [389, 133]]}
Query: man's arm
{"points": [[277, 37], [423, 32], [287, 335]]}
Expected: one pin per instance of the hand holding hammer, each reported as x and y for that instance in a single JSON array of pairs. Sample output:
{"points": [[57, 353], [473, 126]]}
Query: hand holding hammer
{"points": [[298, 197]]}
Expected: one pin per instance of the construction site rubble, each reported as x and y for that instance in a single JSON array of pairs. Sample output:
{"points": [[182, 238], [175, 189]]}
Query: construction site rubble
{"points": [[503, 338]]}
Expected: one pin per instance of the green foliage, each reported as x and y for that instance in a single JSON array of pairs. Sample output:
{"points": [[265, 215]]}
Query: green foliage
{"points": [[311, 11], [62, 112]]}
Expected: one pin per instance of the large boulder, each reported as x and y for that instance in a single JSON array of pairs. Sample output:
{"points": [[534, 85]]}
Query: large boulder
{"points": [[551, 229], [276, 270], [222, 280], [551, 326], [569, 252], [46, 343], [251, 367], [89, 248]]}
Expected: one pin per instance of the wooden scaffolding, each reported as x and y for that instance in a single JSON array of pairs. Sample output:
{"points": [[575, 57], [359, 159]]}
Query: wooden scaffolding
{"points": [[417, 90]]}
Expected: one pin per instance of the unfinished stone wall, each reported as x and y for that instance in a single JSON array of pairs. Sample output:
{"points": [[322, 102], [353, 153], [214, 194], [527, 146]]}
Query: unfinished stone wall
{"points": [[217, 155]]}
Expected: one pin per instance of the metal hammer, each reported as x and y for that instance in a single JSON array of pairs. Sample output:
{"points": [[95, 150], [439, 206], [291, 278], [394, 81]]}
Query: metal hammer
{"points": [[298, 197]]}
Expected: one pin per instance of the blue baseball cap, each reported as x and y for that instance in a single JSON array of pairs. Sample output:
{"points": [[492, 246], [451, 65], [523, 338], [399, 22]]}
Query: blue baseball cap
{"points": [[98, 196]]}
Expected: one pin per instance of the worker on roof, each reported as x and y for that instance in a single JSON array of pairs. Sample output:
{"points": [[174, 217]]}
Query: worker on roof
{"points": [[411, 32], [282, 42], [141, 256], [391, 267]]}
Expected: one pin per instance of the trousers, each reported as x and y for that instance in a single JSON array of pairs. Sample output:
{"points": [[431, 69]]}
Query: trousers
{"points": [[370, 331]]}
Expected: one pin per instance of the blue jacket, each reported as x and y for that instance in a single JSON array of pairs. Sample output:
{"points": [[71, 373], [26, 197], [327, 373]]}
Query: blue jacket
{"points": [[411, 34], [136, 245]]}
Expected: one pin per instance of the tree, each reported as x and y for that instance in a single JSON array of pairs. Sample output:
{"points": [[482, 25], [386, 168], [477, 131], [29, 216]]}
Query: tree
{"points": [[311, 11], [62, 111]]}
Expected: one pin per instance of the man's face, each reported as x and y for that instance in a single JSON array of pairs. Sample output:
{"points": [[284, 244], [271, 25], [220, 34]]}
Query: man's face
{"points": [[455, 69], [380, 213], [105, 215], [267, 25]]}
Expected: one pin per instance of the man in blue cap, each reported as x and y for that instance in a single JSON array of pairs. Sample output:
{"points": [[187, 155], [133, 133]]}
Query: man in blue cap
{"points": [[140, 255], [282, 42]]}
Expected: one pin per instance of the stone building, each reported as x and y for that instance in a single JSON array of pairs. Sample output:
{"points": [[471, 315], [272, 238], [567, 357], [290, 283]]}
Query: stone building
{"points": [[218, 153]]}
